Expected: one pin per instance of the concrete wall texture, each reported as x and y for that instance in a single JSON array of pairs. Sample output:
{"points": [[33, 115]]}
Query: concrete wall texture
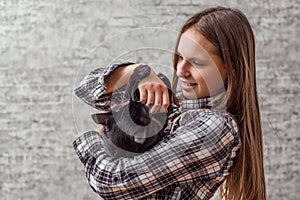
{"points": [[47, 45]]}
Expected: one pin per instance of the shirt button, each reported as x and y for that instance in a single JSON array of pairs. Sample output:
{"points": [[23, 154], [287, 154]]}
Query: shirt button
{"points": [[116, 179]]}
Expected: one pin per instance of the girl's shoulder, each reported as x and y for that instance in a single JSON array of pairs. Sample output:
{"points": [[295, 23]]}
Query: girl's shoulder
{"points": [[197, 114], [213, 119], [211, 128]]}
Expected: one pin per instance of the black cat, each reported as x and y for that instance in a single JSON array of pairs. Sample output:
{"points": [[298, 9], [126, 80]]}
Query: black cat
{"points": [[130, 128]]}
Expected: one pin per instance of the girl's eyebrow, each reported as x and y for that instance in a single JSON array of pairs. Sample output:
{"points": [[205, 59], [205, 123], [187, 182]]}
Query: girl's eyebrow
{"points": [[190, 58]]}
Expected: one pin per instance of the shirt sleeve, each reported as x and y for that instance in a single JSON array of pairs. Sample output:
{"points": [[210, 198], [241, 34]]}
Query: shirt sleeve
{"points": [[200, 145], [92, 86]]}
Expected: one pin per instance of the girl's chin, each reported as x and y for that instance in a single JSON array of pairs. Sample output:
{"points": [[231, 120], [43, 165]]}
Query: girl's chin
{"points": [[192, 94], [189, 94]]}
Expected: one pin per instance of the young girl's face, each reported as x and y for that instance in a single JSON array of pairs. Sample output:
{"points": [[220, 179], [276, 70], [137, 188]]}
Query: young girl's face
{"points": [[200, 69]]}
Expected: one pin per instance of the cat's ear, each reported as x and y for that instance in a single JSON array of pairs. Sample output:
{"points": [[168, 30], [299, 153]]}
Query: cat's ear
{"points": [[139, 113], [102, 118]]}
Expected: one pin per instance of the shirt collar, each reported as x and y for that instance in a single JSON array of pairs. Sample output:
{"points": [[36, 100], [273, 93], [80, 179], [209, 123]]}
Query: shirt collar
{"points": [[205, 102], [188, 104]]}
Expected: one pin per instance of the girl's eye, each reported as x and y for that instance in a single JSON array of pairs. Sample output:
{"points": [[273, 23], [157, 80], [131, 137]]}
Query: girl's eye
{"points": [[198, 63]]}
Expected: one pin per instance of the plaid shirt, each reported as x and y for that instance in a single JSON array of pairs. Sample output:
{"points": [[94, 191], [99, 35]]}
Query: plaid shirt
{"points": [[191, 161]]}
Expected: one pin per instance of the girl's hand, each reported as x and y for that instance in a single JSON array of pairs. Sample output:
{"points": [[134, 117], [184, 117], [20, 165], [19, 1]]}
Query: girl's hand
{"points": [[100, 130], [154, 93]]}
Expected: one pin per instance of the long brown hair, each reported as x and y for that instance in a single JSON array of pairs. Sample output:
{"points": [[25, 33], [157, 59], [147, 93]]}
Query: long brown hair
{"points": [[230, 32]]}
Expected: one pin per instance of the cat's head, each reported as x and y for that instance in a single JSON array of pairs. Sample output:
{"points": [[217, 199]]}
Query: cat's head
{"points": [[131, 117]]}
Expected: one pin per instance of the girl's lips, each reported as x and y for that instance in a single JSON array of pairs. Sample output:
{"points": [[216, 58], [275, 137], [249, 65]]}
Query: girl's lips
{"points": [[187, 85]]}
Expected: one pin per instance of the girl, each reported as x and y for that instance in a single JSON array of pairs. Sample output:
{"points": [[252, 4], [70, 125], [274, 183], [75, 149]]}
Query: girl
{"points": [[215, 142]]}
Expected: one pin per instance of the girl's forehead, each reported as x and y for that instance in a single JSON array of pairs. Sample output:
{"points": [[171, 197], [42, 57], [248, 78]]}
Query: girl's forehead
{"points": [[193, 43]]}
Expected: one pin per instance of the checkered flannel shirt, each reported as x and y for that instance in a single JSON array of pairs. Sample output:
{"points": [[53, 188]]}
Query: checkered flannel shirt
{"points": [[190, 162]]}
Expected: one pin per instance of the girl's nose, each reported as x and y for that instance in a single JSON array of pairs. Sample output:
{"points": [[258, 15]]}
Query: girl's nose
{"points": [[183, 68]]}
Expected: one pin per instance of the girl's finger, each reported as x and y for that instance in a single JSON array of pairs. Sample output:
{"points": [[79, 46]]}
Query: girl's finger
{"points": [[100, 130], [158, 100], [155, 109], [165, 100], [158, 97], [150, 98], [143, 95]]}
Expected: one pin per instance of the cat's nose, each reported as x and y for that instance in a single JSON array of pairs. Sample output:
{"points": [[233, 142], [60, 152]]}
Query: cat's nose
{"points": [[139, 140], [140, 136]]}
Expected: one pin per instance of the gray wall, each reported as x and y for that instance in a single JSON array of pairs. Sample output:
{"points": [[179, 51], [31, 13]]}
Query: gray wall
{"points": [[46, 46]]}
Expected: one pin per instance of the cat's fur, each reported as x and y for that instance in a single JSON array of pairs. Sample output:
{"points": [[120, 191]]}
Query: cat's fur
{"points": [[130, 128]]}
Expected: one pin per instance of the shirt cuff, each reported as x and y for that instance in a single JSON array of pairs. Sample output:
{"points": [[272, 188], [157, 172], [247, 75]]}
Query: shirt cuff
{"points": [[87, 145], [101, 88]]}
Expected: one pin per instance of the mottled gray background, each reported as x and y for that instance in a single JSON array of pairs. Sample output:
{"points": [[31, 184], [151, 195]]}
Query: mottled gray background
{"points": [[47, 45]]}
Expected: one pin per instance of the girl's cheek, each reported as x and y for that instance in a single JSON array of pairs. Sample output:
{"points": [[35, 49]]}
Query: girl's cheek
{"points": [[208, 78], [200, 76], [213, 80]]}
